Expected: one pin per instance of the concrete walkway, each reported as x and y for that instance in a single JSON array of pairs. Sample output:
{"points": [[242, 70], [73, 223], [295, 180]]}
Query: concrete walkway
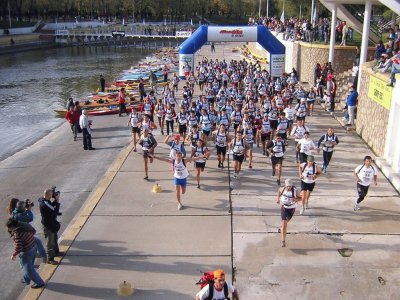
{"points": [[127, 233]]}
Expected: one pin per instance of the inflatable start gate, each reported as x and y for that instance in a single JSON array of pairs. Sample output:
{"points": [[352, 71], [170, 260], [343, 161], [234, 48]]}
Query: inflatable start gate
{"points": [[258, 34]]}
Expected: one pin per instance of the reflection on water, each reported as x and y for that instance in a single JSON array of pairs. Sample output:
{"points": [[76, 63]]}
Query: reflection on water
{"points": [[34, 83]]}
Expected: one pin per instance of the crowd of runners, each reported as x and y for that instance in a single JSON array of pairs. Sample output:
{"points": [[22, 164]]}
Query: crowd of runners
{"points": [[239, 108]]}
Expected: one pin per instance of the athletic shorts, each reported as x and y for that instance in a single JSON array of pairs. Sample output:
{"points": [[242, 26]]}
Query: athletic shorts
{"points": [[276, 160], [200, 165], [290, 123], [287, 213], [235, 126], [221, 150], [274, 124], [300, 118], [250, 145], [238, 158], [283, 135], [311, 102], [146, 153], [206, 132], [307, 186], [135, 130], [181, 182], [265, 137], [182, 129]]}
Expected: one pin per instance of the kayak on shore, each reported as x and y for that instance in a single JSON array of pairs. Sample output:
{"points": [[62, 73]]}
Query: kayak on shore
{"points": [[101, 110]]}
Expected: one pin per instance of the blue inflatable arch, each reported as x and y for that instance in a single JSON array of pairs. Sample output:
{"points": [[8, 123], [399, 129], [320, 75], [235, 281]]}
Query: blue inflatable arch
{"points": [[258, 34]]}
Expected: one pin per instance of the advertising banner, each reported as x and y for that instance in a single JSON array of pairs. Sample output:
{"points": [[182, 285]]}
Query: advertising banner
{"points": [[183, 33], [232, 34], [379, 92], [183, 59], [277, 64]]}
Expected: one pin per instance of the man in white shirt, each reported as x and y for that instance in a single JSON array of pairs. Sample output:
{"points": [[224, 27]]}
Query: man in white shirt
{"points": [[220, 289], [84, 123], [364, 174]]}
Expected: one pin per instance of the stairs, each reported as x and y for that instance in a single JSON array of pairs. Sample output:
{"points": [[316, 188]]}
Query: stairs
{"points": [[343, 13], [343, 82]]}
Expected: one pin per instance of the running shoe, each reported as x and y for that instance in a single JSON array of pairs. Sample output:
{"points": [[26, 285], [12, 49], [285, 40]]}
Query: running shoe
{"points": [[145, 178], [264, 152], [134, 150], [219, 165], [180, 206], [356, 207], [273, 172], [222, 166], [235, 175], [250, 167], [302, 210], [278, 182], [283, 244], [198, 186], [306, 205]]}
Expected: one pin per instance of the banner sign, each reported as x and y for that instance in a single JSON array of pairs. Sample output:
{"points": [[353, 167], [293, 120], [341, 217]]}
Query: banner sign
{"points": [[118, 33], [232, 34], [183, 59], [379, 92], [62, 32], [277, 64], [183, 33]]}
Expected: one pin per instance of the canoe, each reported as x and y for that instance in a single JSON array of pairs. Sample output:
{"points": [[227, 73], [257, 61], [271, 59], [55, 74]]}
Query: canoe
{"points": [[101, 110]]}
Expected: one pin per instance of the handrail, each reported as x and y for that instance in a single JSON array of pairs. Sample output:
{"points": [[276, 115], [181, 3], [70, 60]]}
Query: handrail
{"points": [[358, 13]]}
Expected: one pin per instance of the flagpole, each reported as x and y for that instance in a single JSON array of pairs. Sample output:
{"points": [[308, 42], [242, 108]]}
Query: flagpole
{"points": [[312, 9]]}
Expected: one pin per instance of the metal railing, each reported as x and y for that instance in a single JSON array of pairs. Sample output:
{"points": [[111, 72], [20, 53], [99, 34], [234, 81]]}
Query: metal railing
{"points": [[358, 12]]}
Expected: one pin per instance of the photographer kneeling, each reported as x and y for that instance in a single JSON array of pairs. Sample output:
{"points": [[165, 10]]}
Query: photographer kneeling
{"points": [[50, 210]]}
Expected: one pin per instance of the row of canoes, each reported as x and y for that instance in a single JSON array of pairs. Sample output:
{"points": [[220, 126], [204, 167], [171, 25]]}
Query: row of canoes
{"points": [[101, 110], [106, 103]]}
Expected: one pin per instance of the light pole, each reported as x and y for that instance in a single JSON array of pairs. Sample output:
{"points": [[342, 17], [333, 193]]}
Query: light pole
{"points": [[9, 13], [259, 9], [267, 9]]}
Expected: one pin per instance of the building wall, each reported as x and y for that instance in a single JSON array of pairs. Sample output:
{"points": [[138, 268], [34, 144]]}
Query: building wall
{"points": [[372, 118]]}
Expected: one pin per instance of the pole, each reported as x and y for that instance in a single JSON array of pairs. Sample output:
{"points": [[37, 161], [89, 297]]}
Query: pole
{"points": [[333, 34], [133, 11], [9, 13], [300, 11], [364, 40], [267, 9], [259, 9], [312, 10]]}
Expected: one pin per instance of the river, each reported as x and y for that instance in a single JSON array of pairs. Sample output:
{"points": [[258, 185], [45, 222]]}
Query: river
{"points": [[34, 83]]}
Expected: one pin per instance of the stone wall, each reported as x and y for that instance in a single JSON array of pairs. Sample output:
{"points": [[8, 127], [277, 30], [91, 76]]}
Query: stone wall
{"points": [[306, 56], [372, 118]]}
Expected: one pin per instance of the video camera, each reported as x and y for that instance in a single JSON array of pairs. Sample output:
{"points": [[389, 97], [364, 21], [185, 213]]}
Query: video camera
{"points": [[28, 203], [55, 193]]}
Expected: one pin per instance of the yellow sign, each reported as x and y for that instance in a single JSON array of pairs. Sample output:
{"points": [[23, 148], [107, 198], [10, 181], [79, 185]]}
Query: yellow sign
{"points": [[379, 92]]}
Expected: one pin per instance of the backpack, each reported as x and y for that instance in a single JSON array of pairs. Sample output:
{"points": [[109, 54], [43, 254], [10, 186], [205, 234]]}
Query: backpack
{"points": [[207, 278], [183, 150], [293, 188], [304, 167]]}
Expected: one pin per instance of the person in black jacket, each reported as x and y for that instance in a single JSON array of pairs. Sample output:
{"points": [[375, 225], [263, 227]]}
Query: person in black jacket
{"points": [[50, 210]]}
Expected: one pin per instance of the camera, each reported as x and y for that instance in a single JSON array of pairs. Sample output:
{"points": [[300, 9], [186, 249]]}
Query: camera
{"points": [[28, 203], [55, 193]]}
